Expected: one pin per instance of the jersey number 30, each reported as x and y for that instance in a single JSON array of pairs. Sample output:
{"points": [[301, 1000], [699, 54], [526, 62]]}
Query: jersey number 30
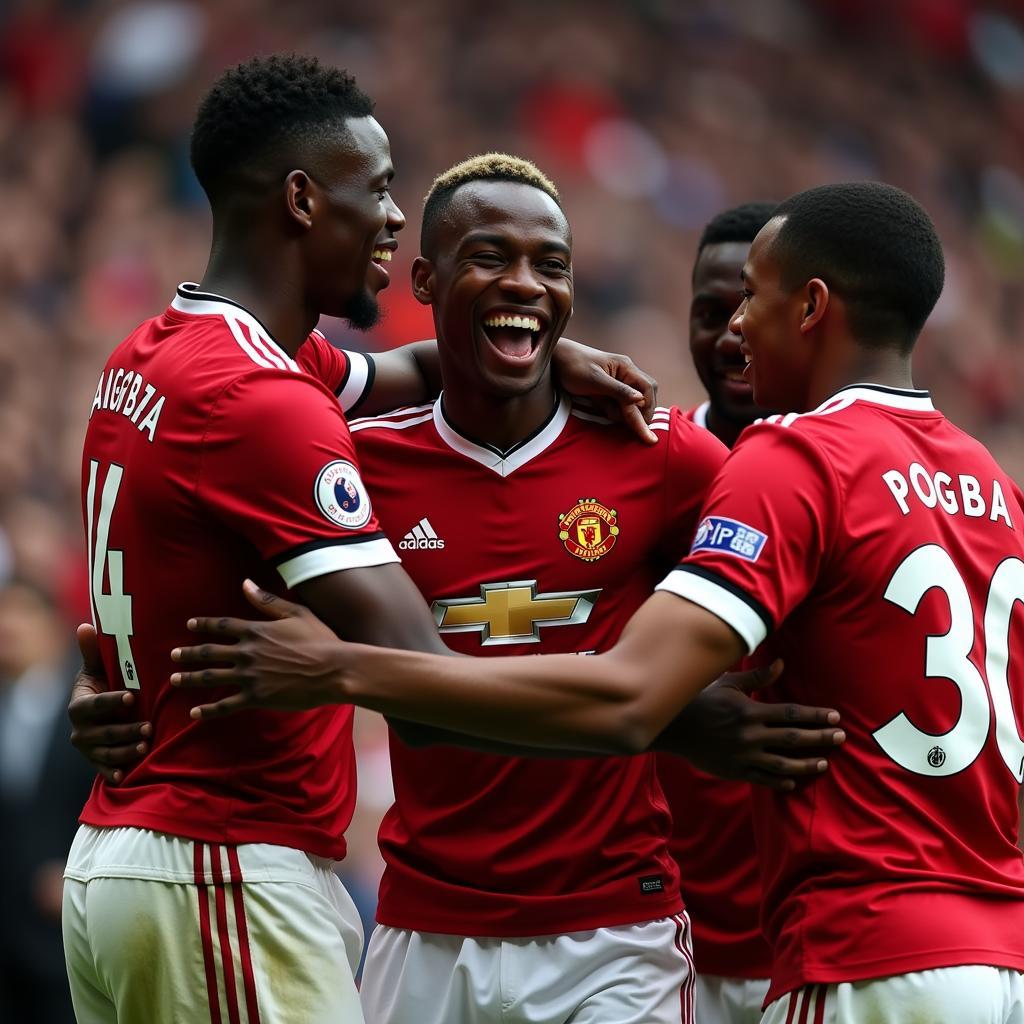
{"points": [[111, 610], [948, 657]]}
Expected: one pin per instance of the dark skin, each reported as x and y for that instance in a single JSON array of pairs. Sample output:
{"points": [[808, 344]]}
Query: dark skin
{"points": [[715, 349], [801, 350], [506, 249]]}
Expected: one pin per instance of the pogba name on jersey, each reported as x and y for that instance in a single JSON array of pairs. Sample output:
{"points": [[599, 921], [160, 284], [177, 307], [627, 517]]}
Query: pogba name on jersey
{"points": [[955, 494], [126, 392]]}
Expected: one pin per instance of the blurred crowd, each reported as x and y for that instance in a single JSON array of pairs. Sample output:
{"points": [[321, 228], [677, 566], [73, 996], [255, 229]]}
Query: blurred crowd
{"points": [[650, 115]]}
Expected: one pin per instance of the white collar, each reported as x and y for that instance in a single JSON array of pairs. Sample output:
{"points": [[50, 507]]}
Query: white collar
{"points": [[879, 394], [503, 463], [700, 414], [257, 342]]}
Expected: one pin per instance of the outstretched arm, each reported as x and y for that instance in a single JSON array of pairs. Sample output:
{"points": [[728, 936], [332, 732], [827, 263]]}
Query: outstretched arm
{"points": [[616, 702]]}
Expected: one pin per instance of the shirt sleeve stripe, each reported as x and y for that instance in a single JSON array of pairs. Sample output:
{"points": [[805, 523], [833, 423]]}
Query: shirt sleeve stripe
{"points": [[335, 558], [730, 605], [357, 381]]}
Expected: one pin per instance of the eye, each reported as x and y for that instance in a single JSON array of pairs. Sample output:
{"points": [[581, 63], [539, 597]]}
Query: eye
{"points": [[747, 294], [487, 258], [554, 265]]}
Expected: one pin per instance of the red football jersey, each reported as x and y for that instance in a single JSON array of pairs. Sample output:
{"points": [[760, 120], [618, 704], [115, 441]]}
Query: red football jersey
{"points": [[713, 844], [210, 456], [882, 547], [547, 548]]}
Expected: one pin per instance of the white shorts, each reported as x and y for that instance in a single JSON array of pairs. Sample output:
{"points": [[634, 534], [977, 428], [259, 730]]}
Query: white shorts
{"points": [[630, 974], [945, 995], [164, 930], [729, 1000]]}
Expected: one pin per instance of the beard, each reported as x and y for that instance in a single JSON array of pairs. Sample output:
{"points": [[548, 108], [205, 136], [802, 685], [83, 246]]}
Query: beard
{"points": [[362, 311]]}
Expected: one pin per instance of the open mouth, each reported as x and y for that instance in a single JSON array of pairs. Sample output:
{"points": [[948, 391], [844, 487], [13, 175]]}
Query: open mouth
{"points": [[381, 255], [515, 335]]}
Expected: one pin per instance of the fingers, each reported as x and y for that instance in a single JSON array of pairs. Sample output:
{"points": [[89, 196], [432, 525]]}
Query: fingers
{"points": [[228, 706], [793, 714], [89, 645], [795, 738], [270, 604], [206, 676], [205, 654], [779, 766], [634, 419], [91, 707], [756, 678], [220, 626]]}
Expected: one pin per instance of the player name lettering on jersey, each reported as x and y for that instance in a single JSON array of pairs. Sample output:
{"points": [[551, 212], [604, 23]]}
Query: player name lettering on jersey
{"points": [[119, 391], [966, 496]]}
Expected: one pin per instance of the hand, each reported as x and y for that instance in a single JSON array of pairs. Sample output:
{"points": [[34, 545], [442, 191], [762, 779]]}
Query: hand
{"points": [[288, 664], [98, 727], [726, 733], [616, 385]]}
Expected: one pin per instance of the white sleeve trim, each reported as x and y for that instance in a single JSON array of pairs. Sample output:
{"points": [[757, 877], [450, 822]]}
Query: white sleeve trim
{"points": [[732, 610], [358, 378], [335, 558]]}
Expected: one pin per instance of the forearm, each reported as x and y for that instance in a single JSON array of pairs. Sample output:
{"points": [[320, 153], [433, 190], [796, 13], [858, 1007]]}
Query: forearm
{"points": [[559, 701], [410, 375]]}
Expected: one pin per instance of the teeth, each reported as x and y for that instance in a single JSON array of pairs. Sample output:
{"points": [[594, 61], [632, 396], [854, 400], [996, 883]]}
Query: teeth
{"points": [[384, 255], [529, 323], [746, 358]]}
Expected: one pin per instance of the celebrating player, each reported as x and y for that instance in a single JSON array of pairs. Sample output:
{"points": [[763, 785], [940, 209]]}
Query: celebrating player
{"points": [[203, 887], [718, 862], [538, 888], [882, 551]]}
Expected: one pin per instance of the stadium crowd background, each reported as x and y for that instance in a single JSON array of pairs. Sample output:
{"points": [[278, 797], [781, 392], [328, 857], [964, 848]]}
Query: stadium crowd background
{"points": [[650, 115]]}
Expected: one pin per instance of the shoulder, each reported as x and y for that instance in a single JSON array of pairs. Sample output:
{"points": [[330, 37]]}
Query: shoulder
{"points": [[393, 428]]}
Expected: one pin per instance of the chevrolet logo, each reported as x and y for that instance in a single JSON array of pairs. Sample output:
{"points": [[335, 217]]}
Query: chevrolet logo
{"points": [[512, 613]]}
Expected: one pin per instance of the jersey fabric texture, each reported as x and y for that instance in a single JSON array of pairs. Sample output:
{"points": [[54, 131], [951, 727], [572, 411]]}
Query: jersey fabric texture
{"points": [[210, 456], [713, 844], [882, 549], [547, 548]]}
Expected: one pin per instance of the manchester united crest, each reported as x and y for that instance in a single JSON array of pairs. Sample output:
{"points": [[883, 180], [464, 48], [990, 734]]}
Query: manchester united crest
{"points": [[588, 530]]}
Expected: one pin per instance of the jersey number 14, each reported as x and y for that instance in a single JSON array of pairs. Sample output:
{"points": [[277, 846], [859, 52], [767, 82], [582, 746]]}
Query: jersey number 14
{"points": [[111, 609]]}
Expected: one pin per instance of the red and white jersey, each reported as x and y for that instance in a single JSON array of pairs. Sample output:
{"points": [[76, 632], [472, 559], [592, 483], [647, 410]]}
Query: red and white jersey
{"points": [[211, 456], [713, 844], [882, 549], [547, 548]]}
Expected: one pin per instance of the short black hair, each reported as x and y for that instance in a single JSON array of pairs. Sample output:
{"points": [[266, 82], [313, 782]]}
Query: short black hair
{"points": [[874, 246], [485, 167], [737, 224], [255, 109]]}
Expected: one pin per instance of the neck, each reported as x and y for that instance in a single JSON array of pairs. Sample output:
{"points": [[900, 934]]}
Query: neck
{"points": [[265, 287], [501, 422], [860, 365], [726, 430]]}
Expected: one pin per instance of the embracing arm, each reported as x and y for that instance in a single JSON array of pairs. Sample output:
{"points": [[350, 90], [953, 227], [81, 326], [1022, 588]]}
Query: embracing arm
{"points": [[411, 375]]}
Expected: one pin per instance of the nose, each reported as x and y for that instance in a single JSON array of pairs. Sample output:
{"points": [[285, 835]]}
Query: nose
{"points": [[727, 344], [736, 320], [395, 218], [519, 279]]}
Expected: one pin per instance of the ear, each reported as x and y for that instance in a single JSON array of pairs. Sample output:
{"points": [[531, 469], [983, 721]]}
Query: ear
{"points": [[301, 197], [816, 300], [423, 280]]}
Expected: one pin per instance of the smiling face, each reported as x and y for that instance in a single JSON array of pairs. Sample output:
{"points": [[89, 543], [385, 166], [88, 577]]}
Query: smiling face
{"points": [[768, 326], [500, 284], [717, 292], [354, 222]]}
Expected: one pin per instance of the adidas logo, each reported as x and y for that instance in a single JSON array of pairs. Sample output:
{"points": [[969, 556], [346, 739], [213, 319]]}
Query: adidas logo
{"points": [[421, 538]]}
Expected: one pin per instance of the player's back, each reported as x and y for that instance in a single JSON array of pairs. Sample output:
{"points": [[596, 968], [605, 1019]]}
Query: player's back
{"points": [[185, 422], [903, 856]]}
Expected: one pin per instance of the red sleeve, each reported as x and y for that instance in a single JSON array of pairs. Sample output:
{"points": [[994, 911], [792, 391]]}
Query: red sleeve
{"points": [[764, 532], [278, 466], [693, 459], [348, 375]]}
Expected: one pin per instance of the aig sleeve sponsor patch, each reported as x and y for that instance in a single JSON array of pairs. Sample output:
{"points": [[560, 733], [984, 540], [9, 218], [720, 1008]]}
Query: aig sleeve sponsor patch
{"points": [[718, 533]]}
